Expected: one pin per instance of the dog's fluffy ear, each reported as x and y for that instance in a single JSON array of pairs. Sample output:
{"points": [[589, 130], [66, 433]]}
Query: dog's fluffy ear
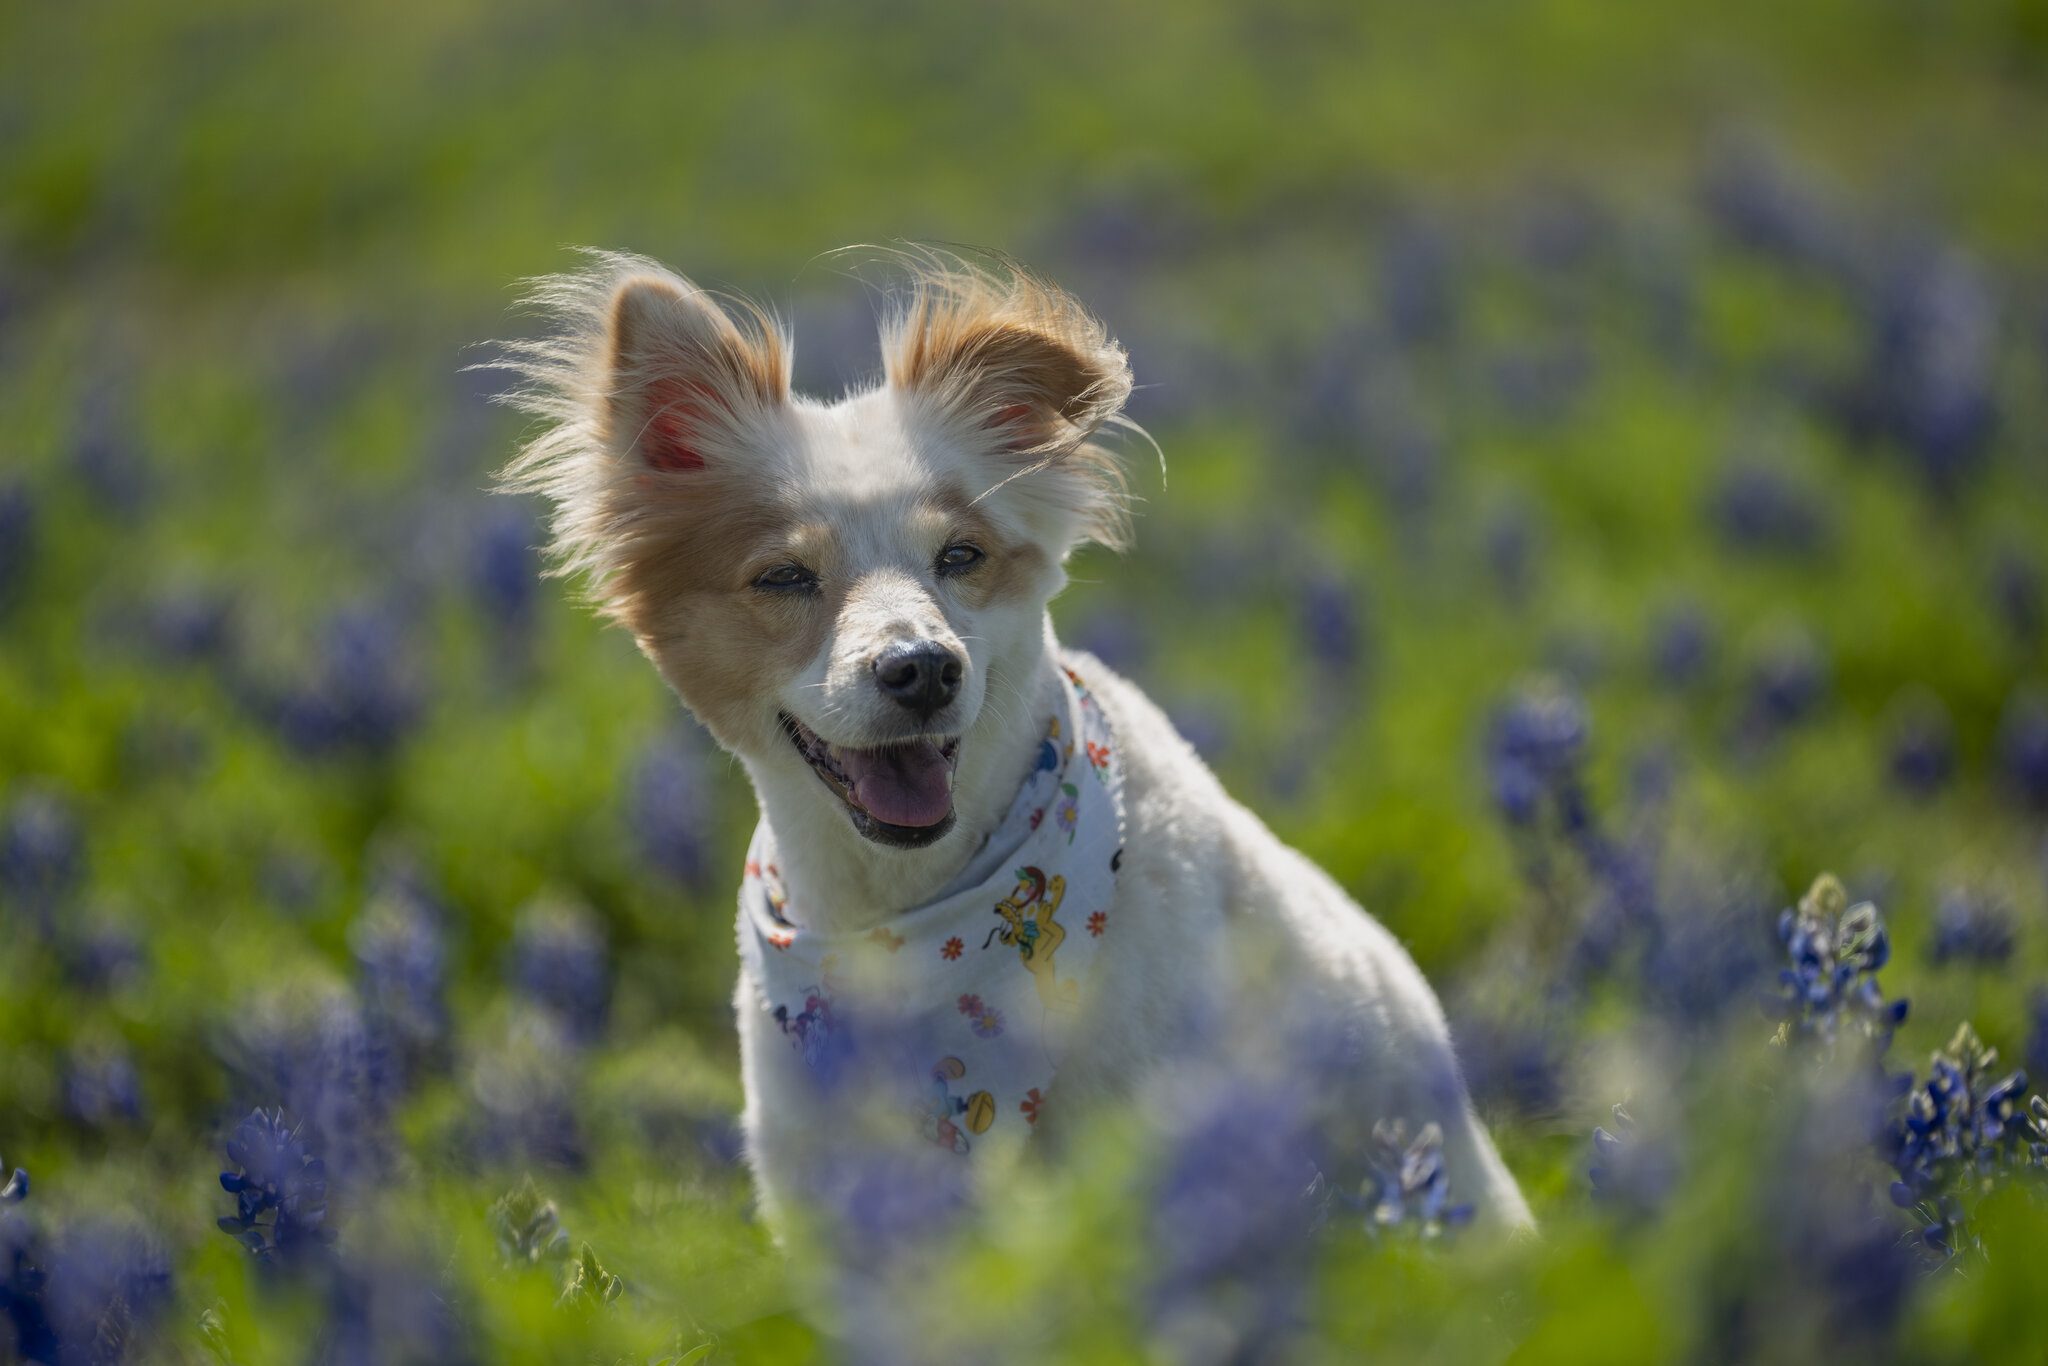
{"points": [[683, 373], [1015, 368], [653, 394]]}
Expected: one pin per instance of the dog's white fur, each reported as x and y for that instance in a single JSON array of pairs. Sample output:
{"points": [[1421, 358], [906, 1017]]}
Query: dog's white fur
{"points": [[682, 468]]}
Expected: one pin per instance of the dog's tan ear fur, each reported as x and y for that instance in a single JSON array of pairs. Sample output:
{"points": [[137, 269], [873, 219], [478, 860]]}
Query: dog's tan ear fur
{"points": [[681, 368], [1015, 365], [656, 398]]}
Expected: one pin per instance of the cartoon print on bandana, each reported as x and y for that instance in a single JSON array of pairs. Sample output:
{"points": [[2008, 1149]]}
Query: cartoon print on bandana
{"points": [[1049, 750], [1098, 758], [1098, 753], [1069, 812], [770, 878], [809, 1030], [1029, 924], [944, 1114]]}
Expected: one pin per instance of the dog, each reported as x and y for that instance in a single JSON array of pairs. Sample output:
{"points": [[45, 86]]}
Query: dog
{"points": [[993, 892]]}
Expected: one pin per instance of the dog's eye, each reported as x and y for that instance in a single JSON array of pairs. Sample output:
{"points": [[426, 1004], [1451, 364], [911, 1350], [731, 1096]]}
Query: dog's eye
{"points": [[958, 558], [784, 576]]}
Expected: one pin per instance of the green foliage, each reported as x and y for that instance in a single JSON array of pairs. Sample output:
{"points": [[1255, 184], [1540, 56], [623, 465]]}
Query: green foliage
{"points": [[324, 749]]}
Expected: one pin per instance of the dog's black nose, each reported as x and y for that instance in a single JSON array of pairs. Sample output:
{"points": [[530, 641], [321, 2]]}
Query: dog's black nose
{"points": [[923, 677]]}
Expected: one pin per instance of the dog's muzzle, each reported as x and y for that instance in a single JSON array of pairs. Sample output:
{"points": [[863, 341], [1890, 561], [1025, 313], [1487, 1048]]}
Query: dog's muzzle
{"points": [[898, 794]]}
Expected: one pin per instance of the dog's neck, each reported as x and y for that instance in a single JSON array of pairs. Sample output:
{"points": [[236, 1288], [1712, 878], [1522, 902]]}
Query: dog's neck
{"points": [[838, 881]]}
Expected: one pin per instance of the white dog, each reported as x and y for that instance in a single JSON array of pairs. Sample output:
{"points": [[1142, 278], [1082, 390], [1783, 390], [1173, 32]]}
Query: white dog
{"points": [[991, 889]]}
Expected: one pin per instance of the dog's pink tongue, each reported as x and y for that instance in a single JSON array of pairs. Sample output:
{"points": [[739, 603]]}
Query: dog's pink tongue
{"points": [[904, 784]]}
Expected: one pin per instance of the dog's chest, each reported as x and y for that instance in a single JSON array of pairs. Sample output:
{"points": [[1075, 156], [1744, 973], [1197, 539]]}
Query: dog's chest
{"points": [[948, 1025]]}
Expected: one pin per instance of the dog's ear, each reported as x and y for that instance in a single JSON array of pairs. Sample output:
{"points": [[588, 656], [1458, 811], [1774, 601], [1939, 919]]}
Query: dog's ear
{"points": [[1017, 369], [684, 377], [656, 399]]}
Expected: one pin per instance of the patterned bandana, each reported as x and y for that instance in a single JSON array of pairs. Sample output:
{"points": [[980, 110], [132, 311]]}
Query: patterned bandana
{"points": [[974, 991]]}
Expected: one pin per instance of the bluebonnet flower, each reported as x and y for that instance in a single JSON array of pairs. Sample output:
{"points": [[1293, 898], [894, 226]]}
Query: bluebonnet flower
{"points": [[1205, 727], [1116, 635], [101, 955], [1923, 746], [560, 961], [24, 1318], [108, 1281], [280, 1190], [2023, 745], [1541, 385], [1330, 400], [1354, 397], [17, 541], [1651, 772], [1668, 294], [1836, 951], [525, 1095], [1630, 1172], [1126, 228], [1704, 951], [1510, 542], [1961, 1126], [361, 696], [1408, 1185], [320, 369], [186, 625], [1510, 1061], [505, 567], [317, 1056], [1238, 1194], [1757, 507], [1417, 282], [392, 1307], [1765, 206], [1838, 1252], [1330, 624], [102, 1088], [343, 1088], [2016, 596], [42, 854], [1409, 459], [1787, 680], [1928, 381], [880, 1206], [667, 810], [887, 1202], [1535, 751], [1969, 925], [1681, 645], [399, 950], [1557, 226], [106, 457]]}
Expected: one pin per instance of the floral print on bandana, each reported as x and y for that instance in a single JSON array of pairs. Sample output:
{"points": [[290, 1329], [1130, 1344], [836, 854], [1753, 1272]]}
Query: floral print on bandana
{"points": [[986, 1020], [987, 979]]}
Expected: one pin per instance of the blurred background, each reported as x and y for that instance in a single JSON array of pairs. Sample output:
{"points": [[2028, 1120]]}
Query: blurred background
{"points": [[1606, 489]]}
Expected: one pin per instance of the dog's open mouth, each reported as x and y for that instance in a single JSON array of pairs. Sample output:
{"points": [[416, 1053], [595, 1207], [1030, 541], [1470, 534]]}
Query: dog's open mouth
{"points": [[900, 794]]}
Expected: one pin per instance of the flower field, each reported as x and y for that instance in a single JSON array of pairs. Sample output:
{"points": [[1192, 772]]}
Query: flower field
{"points": [[1604, 521]]}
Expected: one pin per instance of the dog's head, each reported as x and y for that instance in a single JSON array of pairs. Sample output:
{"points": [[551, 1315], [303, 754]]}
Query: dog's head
{"points": [[848, 588]]}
